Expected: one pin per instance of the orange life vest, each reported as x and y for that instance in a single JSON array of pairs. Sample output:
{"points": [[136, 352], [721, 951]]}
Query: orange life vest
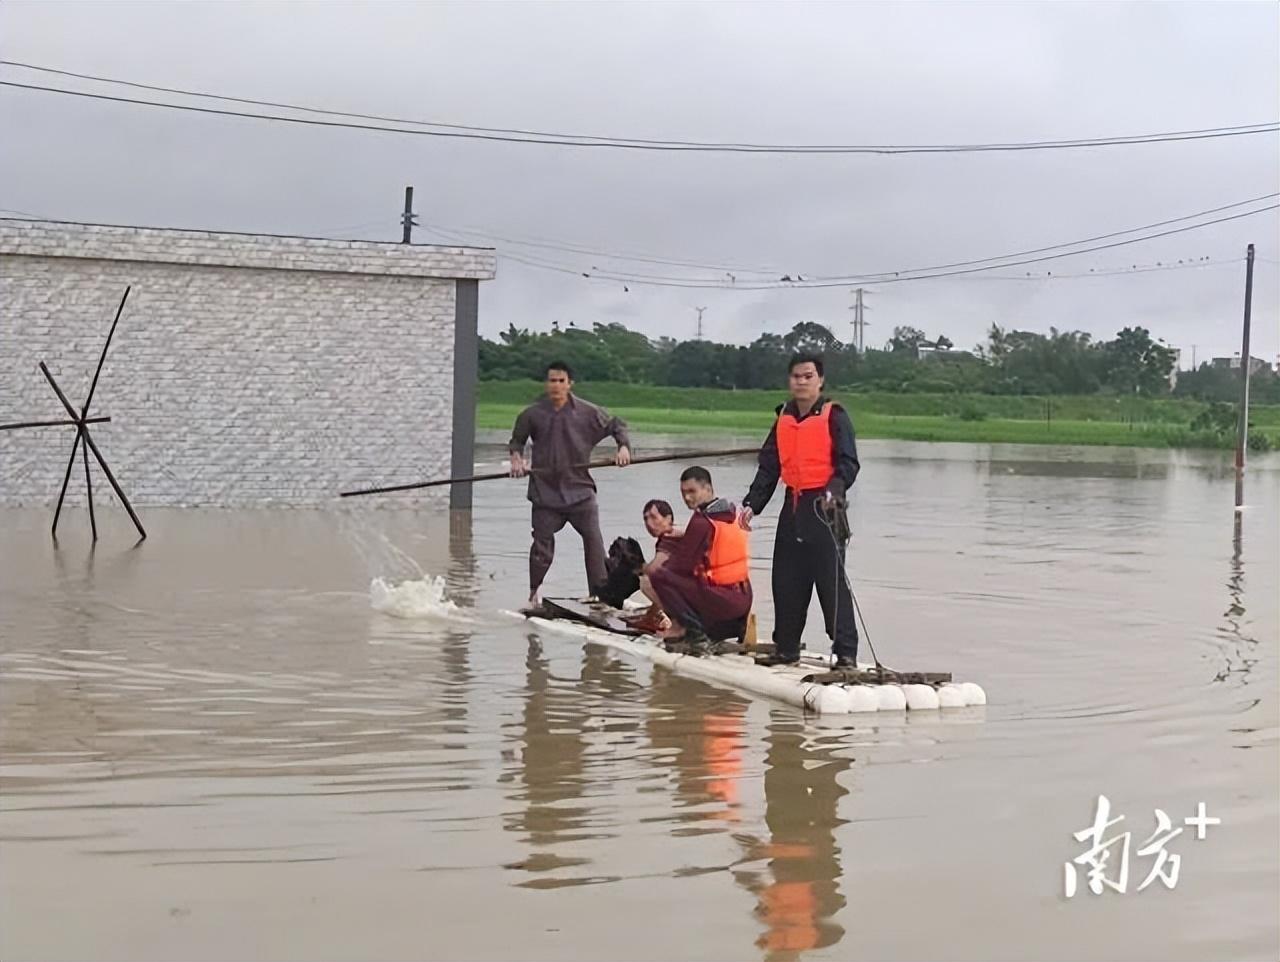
{"points": [[728, 557], [722, 741], [791, 913], [805, 450]]}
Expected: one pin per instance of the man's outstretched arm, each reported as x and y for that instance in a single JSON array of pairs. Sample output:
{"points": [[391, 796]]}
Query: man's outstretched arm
{"points": [[768, 471]]}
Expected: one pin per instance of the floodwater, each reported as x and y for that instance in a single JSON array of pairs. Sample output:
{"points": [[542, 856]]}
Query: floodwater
{"points": [[213, 745]]}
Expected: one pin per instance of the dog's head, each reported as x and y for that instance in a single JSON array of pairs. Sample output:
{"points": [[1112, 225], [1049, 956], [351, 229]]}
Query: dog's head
{"points": [[624, 564], [625, 553]]}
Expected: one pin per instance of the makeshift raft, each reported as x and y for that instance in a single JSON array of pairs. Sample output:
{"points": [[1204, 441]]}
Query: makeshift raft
{"points": [[811, 685]]}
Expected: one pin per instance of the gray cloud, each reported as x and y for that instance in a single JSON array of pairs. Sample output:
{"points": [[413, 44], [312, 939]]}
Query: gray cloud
{"points": [[795, 72]]}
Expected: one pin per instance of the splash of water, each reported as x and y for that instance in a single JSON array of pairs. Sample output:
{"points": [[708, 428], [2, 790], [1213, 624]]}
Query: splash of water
{"points": [[381, 557], [423, 598]]}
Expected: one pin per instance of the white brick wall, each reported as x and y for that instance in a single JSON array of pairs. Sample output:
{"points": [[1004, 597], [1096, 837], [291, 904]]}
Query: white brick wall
{"points": [[245, 369]]}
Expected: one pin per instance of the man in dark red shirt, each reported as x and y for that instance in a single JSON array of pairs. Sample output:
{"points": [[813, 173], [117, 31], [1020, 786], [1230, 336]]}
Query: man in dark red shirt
{"points": [[704, 586]]}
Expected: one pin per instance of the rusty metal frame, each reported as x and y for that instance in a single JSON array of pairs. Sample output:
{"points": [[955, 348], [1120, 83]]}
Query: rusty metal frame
{"points": [[81, 421]]}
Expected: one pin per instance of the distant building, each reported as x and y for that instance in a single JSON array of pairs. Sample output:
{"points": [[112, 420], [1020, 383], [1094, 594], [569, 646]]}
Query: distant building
{"points": [[928, 352], [1256, 364]]}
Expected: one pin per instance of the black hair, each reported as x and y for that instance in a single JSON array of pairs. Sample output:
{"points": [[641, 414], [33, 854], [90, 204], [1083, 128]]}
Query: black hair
{"points": [[664, 508], [559, 366], [696, 473], [814, 359]]}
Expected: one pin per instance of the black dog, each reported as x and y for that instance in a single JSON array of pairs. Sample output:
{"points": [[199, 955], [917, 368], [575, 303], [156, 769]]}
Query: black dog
{"points": [[624, 564]]}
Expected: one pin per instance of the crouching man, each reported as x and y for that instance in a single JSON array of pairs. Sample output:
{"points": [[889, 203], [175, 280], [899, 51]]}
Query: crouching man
{"points": [[660, 522], [704, 586]]}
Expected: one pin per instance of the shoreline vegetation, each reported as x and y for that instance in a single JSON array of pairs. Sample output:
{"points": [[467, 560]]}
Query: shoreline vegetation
{"points": [[980, 418]]}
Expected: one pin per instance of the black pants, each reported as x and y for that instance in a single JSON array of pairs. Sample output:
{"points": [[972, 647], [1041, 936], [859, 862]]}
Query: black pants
{"points": [[806, 555], [585, 519]]}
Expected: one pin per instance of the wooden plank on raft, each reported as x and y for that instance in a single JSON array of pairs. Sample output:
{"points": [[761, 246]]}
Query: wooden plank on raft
{"points": [[861, 676], [598, 616]]}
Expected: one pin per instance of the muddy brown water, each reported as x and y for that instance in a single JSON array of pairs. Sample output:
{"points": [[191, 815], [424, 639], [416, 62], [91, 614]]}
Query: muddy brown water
{"points": [[213, 746]]}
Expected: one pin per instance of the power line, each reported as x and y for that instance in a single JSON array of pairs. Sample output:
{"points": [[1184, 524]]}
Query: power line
{"points": [[454, 236], [899, 278], [535, 133], [1181, 265], [511, 135], [1203, 262], [570, 247], [205, 230], [1006, 260], [22, 213], [447, 231], [1083, 240]]}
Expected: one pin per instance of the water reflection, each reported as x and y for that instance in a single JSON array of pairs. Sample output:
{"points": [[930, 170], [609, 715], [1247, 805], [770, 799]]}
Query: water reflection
{"points": [[226, 693], [700, 733], [554, 812], [798, 890], [1238, 642], [700, 739], [462, 578]]}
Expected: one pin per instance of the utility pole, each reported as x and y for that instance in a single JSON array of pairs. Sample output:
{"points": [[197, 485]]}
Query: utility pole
{"points": [[699, 310], [859, 323], [408, 219], [1242, 437]]}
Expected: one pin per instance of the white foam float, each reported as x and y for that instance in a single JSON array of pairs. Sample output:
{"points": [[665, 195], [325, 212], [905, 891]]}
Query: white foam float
{"points": [[831, 700], [740, 673], [861, 697], [890, 697], [921, 697]]}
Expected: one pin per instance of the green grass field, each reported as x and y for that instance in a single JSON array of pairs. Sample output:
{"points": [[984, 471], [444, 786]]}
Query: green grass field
{"points": [[912, 417]]}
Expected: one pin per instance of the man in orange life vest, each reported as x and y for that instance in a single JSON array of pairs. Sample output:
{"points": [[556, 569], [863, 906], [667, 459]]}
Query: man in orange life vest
{"points": [[704, 586], [813, 451]]}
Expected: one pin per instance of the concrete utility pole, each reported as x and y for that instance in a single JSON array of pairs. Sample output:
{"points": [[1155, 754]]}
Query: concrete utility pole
{"points": [[1242, 437], [699, 310]]}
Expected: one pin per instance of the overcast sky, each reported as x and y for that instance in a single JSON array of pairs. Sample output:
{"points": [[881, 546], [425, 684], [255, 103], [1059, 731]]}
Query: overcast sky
{"points": [[794, 73]]}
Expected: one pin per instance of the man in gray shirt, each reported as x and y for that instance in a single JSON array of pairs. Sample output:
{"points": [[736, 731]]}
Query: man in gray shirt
{"points": [[564, 429]]}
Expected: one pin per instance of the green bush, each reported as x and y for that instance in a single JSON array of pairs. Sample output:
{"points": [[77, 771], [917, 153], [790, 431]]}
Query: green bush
{"points": [[1218, 417]]}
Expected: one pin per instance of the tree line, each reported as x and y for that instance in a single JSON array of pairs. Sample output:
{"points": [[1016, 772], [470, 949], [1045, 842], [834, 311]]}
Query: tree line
{"points": [[1008, 362]]}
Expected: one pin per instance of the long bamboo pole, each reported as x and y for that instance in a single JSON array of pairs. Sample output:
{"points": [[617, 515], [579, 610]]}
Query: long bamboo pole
{"points": [[651, 459]]}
